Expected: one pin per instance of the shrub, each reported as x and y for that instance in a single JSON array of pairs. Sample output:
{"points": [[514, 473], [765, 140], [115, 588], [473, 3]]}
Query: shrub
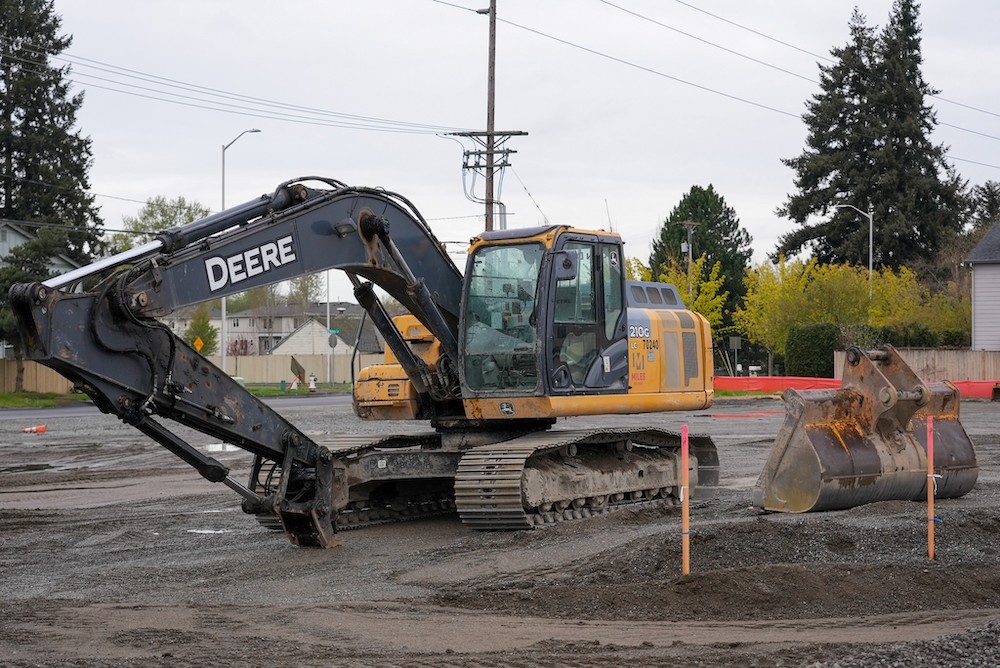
{"points": [[809, 349]]}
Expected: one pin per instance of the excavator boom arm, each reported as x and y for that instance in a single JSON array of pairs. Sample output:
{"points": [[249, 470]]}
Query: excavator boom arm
{"points": [[108, 342]]}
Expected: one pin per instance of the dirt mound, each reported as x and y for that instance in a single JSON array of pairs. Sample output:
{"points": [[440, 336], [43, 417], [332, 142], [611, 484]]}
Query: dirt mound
{"points": [[767, 567]]}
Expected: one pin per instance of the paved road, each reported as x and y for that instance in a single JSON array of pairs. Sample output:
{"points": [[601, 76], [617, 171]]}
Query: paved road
{"points": [[88, 410]]}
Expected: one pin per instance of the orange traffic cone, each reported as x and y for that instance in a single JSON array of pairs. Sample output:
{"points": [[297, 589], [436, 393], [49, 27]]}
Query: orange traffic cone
{"points": [[40, 429]]}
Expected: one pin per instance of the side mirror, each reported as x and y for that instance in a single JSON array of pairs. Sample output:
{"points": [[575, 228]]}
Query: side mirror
{"points": [[565, 265]]}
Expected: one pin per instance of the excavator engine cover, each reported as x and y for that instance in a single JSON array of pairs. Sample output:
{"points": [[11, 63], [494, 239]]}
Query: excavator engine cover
{"points": [[867, 441]]}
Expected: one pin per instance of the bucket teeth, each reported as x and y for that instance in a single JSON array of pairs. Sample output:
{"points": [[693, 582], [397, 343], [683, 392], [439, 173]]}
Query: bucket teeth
{"points": [[867, 441]]}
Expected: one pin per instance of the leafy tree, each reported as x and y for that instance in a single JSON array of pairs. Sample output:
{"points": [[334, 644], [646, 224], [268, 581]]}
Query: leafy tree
{"points": [[304, 289], [257, 299], [790, 293], [201, 327], [241, 347], [635, 270], [716, 234], [773, 303], [868, 146], [43, 160], [157, 214], [706, 295]]}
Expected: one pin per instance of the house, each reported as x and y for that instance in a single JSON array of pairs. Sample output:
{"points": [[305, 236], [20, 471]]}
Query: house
{"points": [[985, 262], [13, 234], [314, 338], [264, 327]]}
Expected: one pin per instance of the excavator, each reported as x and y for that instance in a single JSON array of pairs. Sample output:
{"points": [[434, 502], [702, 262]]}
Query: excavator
{"points": [[542, 325]]}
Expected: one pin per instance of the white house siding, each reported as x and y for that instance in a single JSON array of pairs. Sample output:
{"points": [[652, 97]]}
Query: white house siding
{"points": [[310, 339], [986, 306]]}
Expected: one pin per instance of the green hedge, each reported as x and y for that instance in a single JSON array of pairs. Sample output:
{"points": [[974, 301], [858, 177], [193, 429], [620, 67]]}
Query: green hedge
{"points": [[909, 335], [809, 350]]}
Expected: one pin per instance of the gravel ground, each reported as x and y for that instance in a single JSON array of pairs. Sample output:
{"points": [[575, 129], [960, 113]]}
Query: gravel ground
{"points": [[113, 553]]}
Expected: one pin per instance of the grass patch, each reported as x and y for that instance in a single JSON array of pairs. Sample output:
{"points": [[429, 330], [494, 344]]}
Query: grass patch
{"points": [[303, 390], [40, 399], [747, 395]]}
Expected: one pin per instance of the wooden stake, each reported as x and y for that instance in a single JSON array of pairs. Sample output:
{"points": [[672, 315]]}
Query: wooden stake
{"points": [[930, 488], [685, 505]]}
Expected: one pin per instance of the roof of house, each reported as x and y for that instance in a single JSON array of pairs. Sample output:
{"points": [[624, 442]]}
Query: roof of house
{"points": [[21, 231], [370, 342], [987, 251]]}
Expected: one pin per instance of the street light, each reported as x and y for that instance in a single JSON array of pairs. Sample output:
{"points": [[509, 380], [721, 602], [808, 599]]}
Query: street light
{"points": [[871, 244], [223, 331]]}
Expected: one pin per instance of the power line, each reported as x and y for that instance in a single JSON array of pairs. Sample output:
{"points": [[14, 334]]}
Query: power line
{"points": [[728, 50], [204, 98], [705, 41], [766, 64], [815, 55], [648, 70]]}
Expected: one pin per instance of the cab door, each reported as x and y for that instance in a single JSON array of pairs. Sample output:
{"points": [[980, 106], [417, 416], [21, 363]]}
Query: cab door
{"points": [[586, 350]]}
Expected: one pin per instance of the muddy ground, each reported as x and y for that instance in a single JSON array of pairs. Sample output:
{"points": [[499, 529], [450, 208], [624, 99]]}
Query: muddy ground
{"points": [[114, 553]]}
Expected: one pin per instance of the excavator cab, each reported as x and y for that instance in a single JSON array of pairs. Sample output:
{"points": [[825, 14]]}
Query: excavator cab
{"points": [[544, 314]]}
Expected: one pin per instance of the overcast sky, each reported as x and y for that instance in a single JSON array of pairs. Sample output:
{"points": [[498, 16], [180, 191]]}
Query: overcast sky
{"points": [[627, 103]]}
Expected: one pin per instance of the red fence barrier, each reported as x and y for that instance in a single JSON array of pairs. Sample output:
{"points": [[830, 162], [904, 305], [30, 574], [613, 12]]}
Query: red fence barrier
{"points": [[969, 389]]}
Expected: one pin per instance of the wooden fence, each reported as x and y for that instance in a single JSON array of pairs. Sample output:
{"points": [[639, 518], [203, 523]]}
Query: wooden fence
{"points": [[255, 369], [929, 364], [932, 364], [37, 378], [264, 369]]}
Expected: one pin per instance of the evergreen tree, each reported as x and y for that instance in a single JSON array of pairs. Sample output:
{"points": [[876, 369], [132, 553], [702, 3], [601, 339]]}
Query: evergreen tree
{"points": [[716, 234], [985, 205], [44, 161], [868, 146]]}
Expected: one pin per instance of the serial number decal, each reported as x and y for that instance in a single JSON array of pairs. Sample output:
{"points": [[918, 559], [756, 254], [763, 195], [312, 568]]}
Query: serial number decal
{"points": [[638, 332]]}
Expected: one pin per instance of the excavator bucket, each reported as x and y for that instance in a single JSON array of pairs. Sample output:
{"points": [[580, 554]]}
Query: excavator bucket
{"points": [[867, 441]]}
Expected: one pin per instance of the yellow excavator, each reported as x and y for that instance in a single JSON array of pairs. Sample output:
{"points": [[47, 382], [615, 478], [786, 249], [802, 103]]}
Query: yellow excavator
{"points": [[543, 324]]}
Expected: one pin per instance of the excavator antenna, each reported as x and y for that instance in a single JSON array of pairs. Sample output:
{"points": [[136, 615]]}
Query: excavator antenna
{"points": [[867, 441]]}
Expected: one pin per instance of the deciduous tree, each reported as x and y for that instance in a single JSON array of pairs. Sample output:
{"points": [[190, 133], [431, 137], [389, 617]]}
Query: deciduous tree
{"points": [[158, 213], [201, 327], [701, 289]]}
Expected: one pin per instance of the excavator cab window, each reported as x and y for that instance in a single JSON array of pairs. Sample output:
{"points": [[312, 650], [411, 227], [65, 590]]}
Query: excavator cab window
{"points": [[500, 338]]}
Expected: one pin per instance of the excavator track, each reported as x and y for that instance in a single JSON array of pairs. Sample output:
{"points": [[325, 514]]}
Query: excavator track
{"points": [[547, 477], [383, 479]]}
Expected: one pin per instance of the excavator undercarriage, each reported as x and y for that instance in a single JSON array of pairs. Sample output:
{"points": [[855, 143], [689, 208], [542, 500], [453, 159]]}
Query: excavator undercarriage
{"points": [[538, 478]]}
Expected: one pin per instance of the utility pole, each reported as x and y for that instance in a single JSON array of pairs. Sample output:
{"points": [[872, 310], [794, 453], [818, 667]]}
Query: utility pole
{"points": [[491, 140], [690, 225], [491, 84]]}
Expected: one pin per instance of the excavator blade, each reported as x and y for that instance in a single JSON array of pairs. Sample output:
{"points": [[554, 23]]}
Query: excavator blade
{"points": [[867, 441]]}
